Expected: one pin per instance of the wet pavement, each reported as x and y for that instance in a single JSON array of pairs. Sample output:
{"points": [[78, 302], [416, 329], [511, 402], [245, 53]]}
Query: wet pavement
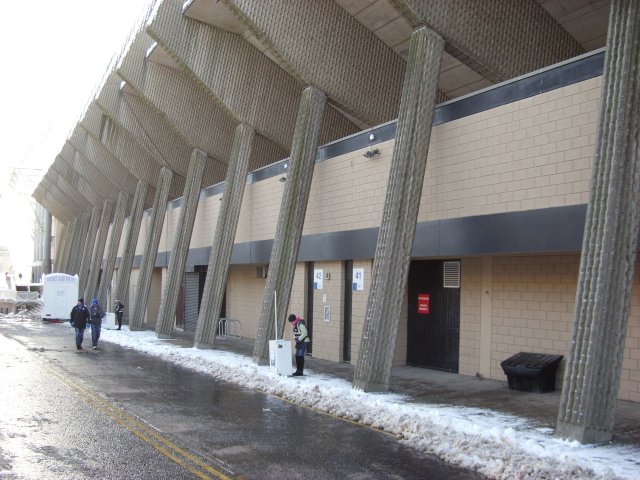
{"points": [[117, 413], [423, 385]]}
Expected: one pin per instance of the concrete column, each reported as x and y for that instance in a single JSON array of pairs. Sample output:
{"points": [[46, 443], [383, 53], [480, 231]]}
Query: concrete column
{"points": [[395, 239], [112, 248], [87, 251], [76, 225], [178, 259], [69, 237], [135, 220], [291, 219], [46, 242], [91, 288], [216, 281], [592, 374], [150, 252], [78, 244]]}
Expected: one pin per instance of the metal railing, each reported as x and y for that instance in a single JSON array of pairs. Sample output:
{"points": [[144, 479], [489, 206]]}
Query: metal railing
{"points": [[229, 328]]}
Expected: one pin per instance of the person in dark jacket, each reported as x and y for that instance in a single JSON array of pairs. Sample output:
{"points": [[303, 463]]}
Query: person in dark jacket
{"points": [[79, 316], [301, 335], [96, 314], [119, 310]]}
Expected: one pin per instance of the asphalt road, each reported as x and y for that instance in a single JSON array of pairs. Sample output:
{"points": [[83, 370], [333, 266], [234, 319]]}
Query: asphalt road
{"points": [[115, 413]]}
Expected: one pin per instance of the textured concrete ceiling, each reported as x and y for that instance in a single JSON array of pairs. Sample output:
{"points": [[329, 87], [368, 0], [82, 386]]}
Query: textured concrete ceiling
{"points": [[486, 41], [584, 20]]}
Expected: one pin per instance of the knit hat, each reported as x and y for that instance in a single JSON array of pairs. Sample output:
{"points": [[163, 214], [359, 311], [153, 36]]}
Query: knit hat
{"points": [[94, 301]]}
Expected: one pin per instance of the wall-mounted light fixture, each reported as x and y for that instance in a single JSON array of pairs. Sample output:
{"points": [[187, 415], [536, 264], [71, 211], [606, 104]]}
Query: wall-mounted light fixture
{"points": [[371, 153]]}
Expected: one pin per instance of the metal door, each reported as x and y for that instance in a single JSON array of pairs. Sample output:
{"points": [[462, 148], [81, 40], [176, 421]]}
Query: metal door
{"points": [[191, 290], [433, 315], [348, 296], [308, 317]]}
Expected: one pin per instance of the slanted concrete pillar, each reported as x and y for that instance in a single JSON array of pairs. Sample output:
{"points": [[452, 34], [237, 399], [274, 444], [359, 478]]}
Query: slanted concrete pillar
{"points": [[135, 220], [291, 219], [60, 236], [70, 236], [91, 288], [395, 239], [178, 259], [592, 374], [46, 241], [87, 251], [112, 248], [225, 234], [78, 244], [150, 252]]}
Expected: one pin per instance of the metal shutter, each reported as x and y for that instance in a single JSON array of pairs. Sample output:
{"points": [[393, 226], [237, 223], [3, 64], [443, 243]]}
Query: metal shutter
{"points": [[191, 283]]}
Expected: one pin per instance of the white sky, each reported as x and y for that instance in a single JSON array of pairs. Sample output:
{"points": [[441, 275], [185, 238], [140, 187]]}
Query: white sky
{"points": [[497, 445], [55, 53]]}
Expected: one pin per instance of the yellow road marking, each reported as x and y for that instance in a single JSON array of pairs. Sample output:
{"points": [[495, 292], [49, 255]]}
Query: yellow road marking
{"points": [[170, 450]]}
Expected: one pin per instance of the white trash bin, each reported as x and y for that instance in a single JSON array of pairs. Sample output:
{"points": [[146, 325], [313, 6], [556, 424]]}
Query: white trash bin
{"points": [[109, 322], [280, 356]]}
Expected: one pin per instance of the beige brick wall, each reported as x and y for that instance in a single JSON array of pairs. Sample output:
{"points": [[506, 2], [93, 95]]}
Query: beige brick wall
{"points": [[347, 192], [533, 302], [142, 236], [532, 305], [169, 229], [359, 308], [259, 212], [470, 315], [328, 334], [204, 225], [298, 297], [534, 153], [244, 298], [123, 238]]}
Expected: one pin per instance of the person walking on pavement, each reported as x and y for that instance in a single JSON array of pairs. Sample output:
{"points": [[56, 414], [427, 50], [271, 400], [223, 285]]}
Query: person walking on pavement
{"points": [[301, 335], [79, 316], [119, 310], [96, 313]]}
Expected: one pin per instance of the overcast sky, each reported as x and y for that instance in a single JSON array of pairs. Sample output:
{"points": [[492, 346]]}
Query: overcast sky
{"points": [[54, 55]]}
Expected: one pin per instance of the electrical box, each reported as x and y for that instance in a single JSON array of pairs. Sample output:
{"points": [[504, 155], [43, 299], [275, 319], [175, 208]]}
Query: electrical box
{"points": [[280, 356]]}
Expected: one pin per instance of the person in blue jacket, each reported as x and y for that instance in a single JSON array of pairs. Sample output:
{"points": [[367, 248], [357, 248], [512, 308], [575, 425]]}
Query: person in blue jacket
{"points": [[96, 313], [301, 335], [79, 316]]}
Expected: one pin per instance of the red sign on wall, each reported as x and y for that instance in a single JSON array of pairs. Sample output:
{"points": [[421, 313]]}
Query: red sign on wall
{"points": [[423, 303]]}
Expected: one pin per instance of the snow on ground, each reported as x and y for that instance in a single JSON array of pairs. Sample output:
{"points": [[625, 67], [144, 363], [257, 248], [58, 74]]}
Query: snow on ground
{"points": [[497, 445]]}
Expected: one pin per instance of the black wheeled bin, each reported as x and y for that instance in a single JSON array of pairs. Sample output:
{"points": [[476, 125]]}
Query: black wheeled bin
{"points": [[531, 372]]}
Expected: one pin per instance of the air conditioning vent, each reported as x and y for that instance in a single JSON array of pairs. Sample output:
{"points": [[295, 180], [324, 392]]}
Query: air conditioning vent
{"points": [[451, 274], [261, 272]]}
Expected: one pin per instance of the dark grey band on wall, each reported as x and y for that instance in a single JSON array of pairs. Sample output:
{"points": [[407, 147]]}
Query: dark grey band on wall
{"points": [[548, 230]]}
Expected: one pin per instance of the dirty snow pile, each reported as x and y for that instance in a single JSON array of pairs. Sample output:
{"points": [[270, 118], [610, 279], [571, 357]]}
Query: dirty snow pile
{"points": [[497, 445]]}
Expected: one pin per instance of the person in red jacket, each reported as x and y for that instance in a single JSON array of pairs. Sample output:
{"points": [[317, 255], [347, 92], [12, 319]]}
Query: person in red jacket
{"points": [[301, 335]]}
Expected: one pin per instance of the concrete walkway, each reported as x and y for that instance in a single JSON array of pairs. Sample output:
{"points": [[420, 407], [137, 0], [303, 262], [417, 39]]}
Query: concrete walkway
{"points": [[423, 385]]}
